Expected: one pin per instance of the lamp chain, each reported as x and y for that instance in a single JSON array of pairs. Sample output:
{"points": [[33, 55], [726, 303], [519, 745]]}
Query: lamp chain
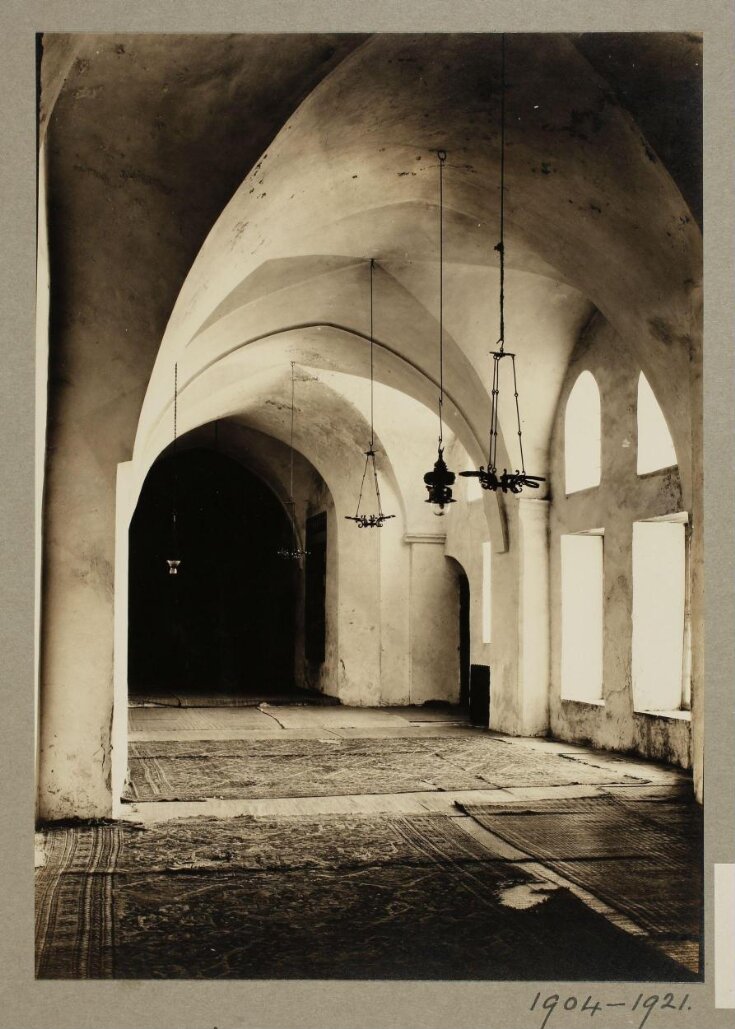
{"points": [[370, 520], [509, 481], [290, 489], [292, 551], [372, 427], [174, 562], [501, 244], [362, 485], [175, 449], [442, 158]]}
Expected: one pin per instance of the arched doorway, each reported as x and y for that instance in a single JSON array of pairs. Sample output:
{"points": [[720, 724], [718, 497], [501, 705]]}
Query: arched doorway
{"points": [[225, 622], [463, 586]]}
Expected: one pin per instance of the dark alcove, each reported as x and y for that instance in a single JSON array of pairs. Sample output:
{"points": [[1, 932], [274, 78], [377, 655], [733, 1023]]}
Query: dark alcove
{"points": [[225, 621]]}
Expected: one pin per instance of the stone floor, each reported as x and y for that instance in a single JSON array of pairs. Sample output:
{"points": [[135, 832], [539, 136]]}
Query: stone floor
{"points": [[267, 722], [583, 851]]}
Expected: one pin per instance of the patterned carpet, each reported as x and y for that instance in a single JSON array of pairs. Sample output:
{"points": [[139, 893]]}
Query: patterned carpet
{"points": [[330, 898], [227, 769], [642, 857], [153, 698], [174, 719]]}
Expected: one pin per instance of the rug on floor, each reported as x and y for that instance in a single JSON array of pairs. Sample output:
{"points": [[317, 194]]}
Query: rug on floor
{"points": [[212, 699], [258, 769], [642, 857], [173, 719], [330, 898]]}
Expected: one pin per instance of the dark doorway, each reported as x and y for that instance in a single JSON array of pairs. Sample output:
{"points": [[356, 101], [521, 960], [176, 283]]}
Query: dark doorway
{"points": [[315, 621], [225, 621], [464, 639]]}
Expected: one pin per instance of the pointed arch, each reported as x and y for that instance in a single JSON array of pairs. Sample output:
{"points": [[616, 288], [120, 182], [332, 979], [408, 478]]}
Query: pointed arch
{"points": [[655, 446], [582, 435]]}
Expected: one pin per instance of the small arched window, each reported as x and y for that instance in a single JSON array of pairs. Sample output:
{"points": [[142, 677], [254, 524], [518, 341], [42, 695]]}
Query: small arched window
{"points": [[582, 435], [655, 445]]}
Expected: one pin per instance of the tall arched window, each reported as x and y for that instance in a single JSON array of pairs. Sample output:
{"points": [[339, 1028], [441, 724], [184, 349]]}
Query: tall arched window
{"points": [[582, 435], [655, 445]]}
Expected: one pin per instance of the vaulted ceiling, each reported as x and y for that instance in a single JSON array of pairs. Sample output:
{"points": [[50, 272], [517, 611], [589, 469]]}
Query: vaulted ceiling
{"points": [[214, 201]]}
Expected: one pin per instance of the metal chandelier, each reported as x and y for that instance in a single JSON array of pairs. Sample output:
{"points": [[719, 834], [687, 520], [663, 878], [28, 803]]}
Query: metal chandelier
{"points": [[439, 480], [508, 481], [370, 521], [174, 562]]}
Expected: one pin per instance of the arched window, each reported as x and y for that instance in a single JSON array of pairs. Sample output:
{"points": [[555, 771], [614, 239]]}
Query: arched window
{"points": [[582, 435], [655, 445]]}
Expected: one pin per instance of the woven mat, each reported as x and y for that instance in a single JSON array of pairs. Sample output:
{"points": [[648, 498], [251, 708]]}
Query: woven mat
{"points": [[204, 769], [202, 699], [330, 898], [172, 719], [643, 858]]}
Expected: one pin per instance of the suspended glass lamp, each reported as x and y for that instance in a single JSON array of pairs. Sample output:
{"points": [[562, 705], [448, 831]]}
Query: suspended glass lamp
{"points": [[439, 480], [370, 521], [291, 551], [507, 481], [174, 562]]}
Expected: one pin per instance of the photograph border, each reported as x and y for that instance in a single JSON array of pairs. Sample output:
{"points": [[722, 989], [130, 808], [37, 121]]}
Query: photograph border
{"points": [[236, 1005]]}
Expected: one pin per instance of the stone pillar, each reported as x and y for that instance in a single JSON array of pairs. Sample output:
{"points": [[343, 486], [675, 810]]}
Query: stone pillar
{"points": [[395, 664], [358, 666], [76, 673], [534, 617], [126, 498], [42, 350], [696, 563]]}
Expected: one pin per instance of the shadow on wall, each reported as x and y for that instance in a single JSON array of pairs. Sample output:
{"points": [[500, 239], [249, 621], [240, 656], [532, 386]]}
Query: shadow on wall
{"points": [[225, 621], [463, 648]]}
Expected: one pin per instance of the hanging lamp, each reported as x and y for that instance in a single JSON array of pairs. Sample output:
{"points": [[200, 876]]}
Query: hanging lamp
{"points": [[439, 480], [174, 562], [292, 551], [370, 521], [507, 482]]}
